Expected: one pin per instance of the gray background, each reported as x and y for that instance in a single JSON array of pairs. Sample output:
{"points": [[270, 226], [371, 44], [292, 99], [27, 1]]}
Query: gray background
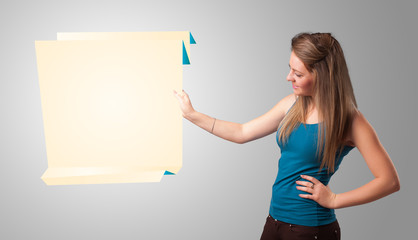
{"points": [[238, 72]]}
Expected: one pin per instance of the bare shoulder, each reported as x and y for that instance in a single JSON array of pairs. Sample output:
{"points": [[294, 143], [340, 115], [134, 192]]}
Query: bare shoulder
{"points": [[288, 101], [361, 129], [284, 105], [359, 121]]}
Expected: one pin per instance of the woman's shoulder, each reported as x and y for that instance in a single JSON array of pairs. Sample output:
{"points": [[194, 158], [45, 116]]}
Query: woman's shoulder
{"points": [[359, 124], [358, 119], [288, 101]]}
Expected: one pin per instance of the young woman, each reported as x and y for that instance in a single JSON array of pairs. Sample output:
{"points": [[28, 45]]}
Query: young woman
{"points": [[316, 126]]}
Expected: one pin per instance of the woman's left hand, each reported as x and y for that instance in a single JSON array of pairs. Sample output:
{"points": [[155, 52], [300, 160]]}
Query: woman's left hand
{"points": [[318, 192]]}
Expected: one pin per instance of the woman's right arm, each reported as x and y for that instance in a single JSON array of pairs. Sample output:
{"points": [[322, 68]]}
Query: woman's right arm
{"points": [[236, 132]]}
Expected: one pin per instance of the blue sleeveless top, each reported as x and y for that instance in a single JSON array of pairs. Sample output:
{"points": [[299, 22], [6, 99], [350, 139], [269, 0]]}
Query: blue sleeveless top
{"points": [[298, 157]]}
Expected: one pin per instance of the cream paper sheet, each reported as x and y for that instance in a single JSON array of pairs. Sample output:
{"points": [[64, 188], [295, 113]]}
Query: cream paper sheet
{"points": [[174, 35], [108, 109]]}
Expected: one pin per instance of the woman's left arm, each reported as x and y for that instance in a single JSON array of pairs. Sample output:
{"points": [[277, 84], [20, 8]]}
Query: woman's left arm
{"points": [[385, 182]]}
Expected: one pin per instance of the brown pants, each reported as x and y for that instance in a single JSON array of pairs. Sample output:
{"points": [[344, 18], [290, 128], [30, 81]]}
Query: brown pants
{"points": [[277, 230]]}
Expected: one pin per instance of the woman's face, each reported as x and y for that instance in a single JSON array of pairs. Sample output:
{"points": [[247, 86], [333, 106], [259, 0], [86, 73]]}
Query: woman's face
{"points": [[301, 78]]}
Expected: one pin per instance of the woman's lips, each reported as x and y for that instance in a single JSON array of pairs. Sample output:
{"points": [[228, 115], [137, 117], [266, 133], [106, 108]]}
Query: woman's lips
{"points": [[294, 87]]}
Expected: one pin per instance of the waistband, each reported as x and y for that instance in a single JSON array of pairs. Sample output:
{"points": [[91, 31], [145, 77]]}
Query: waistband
{"points": [[291, 224]]}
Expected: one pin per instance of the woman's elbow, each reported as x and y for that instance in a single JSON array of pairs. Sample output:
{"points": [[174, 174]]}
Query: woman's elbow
{"points": [[241, 138], [396, 185], [240, 141]]}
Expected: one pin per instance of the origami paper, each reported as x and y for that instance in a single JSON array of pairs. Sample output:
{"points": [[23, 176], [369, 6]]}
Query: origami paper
{"points": [[108, 110], [183, 35]]}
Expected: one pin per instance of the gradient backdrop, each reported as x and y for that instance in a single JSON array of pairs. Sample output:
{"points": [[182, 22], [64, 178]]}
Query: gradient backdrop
{"points": [[237, 73]]}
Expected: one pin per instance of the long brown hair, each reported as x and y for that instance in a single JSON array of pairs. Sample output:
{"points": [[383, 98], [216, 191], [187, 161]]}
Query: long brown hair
{"points": [[333, 95]]}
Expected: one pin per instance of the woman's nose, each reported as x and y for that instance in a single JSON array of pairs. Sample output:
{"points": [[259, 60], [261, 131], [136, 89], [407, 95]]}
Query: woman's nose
{"points": [[289, 77]]}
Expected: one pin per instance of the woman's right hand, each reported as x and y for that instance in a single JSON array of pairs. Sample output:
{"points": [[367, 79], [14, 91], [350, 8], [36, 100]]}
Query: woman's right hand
{"points": [[185, 104]]}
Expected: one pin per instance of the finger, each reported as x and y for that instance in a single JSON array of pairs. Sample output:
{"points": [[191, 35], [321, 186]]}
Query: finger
{"points": [[176, 95], [305, 189], [307, 196], [304, 183], [180, 95], [309, 178]]}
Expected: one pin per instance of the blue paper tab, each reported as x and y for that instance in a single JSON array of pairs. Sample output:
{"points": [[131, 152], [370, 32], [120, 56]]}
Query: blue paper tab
{"points": [[186, 60], [192, 41]]}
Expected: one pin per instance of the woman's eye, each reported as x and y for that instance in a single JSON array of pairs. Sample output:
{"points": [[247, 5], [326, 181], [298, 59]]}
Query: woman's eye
{"points": [[297, 75]]}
